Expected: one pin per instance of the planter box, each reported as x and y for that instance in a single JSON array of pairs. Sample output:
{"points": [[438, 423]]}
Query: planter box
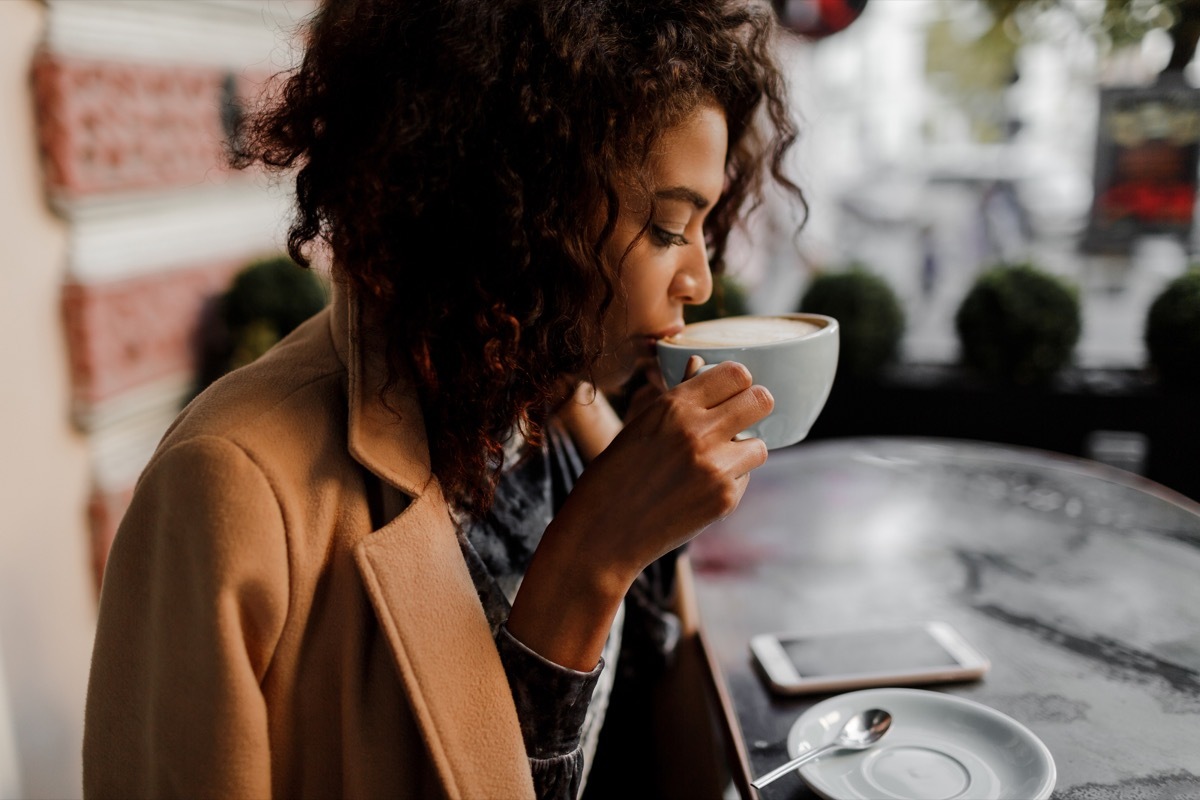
{"points": [[1065, 417]]}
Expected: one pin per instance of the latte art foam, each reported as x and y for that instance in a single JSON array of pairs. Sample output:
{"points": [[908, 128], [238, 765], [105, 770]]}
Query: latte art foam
{"points": [[741, 331]]}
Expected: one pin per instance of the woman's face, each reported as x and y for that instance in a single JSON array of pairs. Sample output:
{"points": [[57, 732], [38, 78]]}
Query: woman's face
{"points": [[668, 267]]}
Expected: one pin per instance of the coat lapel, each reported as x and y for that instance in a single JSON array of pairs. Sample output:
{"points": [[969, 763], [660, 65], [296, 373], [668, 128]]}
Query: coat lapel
{"points": [[414, 573], [427, 605]]}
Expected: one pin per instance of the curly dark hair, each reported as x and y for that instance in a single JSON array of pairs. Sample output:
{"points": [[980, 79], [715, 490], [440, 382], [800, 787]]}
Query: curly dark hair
{"points": [[461, 157]]}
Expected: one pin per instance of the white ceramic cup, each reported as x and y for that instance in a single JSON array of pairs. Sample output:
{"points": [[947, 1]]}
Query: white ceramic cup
{"points": [[797, 371]]}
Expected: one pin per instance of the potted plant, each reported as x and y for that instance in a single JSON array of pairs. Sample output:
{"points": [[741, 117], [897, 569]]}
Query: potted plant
{"points": [[1018, 324], [266, 300], [1172, 332], [870, 316]]}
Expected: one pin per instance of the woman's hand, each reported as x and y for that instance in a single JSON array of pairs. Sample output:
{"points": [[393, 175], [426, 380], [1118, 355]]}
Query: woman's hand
{"points": [[590, 420], [674, 469]]}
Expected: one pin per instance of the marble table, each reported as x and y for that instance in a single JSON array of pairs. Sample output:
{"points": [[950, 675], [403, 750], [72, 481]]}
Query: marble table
{"points": [[1080, 582]]}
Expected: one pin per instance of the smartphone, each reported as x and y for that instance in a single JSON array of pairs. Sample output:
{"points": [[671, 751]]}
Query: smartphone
{"points": [[898, 655]]}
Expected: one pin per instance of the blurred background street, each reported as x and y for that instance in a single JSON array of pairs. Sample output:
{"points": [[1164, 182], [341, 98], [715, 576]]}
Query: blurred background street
{"points": [[942, 142]]}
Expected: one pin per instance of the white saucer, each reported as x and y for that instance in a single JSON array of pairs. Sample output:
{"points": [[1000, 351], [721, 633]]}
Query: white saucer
{"points": [[939, 747]]}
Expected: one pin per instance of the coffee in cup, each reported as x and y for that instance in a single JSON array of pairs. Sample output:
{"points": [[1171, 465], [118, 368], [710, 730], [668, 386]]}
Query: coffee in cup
{"points": [[793, 355]]}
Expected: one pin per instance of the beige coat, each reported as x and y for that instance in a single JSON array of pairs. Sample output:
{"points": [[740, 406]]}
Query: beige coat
{"points": [[259, 637]]}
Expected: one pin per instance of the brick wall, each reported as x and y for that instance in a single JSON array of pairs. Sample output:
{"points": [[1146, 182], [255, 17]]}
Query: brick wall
{"points": [[134, 108]]}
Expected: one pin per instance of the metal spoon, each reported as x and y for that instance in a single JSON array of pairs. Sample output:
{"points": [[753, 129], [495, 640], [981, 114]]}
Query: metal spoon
{"points": [[860, 732]]}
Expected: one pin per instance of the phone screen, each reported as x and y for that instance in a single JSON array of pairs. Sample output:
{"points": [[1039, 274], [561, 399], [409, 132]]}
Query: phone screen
{"points": [[890, 651]]}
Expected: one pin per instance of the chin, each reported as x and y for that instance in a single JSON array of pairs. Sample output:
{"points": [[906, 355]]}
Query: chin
{"points": [[615, 371], [615, 382]]}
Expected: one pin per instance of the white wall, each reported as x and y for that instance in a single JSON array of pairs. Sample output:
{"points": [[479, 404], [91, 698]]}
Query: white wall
{"points": [[46, 600]]}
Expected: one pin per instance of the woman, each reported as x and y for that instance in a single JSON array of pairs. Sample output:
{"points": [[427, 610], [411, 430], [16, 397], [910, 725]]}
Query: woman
{"points": [[412, 551]]}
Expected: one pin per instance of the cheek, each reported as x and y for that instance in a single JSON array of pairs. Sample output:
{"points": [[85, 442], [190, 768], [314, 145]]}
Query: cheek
{"points": [[628, 308], [615, 319], [647, 286]]}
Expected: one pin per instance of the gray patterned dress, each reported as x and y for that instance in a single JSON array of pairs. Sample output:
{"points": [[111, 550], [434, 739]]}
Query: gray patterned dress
{"points": [[576, 724]]}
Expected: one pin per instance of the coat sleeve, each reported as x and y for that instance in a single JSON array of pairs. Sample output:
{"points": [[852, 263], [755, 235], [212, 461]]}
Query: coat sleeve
{"points": [[193, 602]]}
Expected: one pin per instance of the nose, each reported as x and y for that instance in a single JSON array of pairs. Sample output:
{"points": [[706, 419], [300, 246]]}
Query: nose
{"points": [[693, 283]]}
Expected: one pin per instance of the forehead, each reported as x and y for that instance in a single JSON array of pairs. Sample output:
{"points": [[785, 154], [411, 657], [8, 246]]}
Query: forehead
{"points": [[692, 154]]}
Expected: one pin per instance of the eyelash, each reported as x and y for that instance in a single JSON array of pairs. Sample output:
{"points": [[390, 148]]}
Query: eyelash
{"points": [[667, 239]]}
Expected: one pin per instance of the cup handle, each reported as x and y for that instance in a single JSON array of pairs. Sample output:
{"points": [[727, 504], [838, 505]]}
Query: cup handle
{"points": [[702, 368]]}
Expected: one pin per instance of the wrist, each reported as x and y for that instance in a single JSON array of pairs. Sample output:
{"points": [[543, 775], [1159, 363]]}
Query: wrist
{"points": [[565, 607], [590, 420]]}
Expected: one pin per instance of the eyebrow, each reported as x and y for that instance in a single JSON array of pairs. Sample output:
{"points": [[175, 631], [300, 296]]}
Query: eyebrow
{"points": [[684, 194]]}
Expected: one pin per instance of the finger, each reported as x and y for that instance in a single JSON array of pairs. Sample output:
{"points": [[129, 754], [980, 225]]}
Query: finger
{"points": [[743, 456], [655, 378], [694, 363], [742, 410], [640, 399], [740, 480], [714, 386]]}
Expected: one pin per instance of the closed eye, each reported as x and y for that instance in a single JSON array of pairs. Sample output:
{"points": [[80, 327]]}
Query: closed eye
{"points": [[666, 238]]}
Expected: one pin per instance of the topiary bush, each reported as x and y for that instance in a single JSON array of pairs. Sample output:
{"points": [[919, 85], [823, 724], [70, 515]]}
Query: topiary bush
{"points": [[265, 302], [1172, 333], [869, 314], [1018, 324]]}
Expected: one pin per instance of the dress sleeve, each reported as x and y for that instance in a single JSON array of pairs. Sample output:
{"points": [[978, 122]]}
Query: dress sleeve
{"points": [[194, 599], [552, 702]]}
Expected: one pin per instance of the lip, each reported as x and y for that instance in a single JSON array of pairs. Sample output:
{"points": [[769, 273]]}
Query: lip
{"points": [[646, 346], [665, 333]]}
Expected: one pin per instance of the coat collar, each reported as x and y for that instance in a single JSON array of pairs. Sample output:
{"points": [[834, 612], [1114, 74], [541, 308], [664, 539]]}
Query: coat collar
{"points": [[391, 442], [419, 585]]}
